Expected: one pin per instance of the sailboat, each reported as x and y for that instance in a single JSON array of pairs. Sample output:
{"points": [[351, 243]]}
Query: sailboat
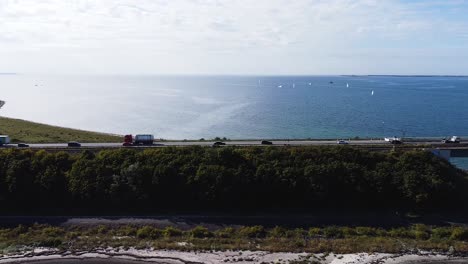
{"points": [[372, 93], [2, 103], [347, 85], [294, 85]]}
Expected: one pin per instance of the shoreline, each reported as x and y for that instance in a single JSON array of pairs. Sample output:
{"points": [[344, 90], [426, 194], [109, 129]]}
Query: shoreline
{"points": [[132, 255]]}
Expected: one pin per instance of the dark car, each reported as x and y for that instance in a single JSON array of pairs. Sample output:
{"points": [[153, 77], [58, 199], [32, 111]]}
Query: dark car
{"points": [[218, 143], [74, 144], [22, 145], [266, 142]]}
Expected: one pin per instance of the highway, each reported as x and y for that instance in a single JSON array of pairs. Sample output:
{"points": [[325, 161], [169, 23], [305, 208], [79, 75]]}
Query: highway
{"points": [[377, 143]]}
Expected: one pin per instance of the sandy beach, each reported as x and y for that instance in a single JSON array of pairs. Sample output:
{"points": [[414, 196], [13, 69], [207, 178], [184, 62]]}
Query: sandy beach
{"points": [[134, 256]]}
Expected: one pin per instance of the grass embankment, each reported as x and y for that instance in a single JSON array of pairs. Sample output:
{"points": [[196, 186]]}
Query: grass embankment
{"points": [[278, 239], [30, 132]]}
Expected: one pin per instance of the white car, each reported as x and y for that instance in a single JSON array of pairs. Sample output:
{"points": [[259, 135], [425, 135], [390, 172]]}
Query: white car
{"points": [[342, 142]]}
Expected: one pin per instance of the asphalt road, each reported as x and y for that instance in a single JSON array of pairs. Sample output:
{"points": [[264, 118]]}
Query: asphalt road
{"points": [[376, 142]]}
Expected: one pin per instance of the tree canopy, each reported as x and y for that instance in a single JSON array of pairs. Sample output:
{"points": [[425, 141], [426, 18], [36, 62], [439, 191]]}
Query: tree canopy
{"points": [[247, 178]]}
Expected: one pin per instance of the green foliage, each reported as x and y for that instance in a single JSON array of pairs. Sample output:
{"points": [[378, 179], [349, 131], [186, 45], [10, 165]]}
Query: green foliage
{"points": [[130, 180], [172, 232], [149, 232], [314, 232], [338, 239], [252, 232], [200, 232], [460, 233], [441, 233], [227, 232], [333, 232]]}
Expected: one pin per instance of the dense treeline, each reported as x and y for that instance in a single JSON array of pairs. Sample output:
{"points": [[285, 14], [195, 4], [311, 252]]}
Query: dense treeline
{"points": [[128, 180]]}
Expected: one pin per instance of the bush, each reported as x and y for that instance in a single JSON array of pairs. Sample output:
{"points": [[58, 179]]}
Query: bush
{"points": [[296, 233], [459, 233], [365, 231], [172, 232], [400, 233], [349, 231], [252, 232], [421, 232], [50, 242], [441, 233], [227, 232], [333, 232], [126, 231], [148, 232], [52, 231], [200, 232], [278, 232], [314, 232]]}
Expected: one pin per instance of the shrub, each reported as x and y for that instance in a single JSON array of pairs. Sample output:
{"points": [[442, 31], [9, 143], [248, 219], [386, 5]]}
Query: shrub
{"points": [[349, 232], [441, 233], [333, 232], [52, 231], [459, 233], [50, 242], [252, 232], [126, 231], [400, 233], [420, 231], [297, 233], [148, 232], [227, 232], [314, 232], [277, 232], [172, 232], [365, 231], [102, 229], [200, 232]]}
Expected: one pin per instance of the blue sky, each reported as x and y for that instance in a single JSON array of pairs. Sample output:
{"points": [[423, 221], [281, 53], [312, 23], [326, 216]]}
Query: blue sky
{"points": [[234, 37]]}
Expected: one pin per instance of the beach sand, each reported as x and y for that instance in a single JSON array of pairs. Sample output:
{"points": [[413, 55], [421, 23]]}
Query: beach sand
{"points": [[134, 256]]}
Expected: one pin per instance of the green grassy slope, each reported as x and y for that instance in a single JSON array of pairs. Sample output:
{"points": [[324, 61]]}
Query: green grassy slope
{"points": [[30, 132]]}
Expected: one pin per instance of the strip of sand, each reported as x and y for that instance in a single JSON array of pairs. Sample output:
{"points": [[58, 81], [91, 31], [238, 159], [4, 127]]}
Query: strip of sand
{"points": [[137, 256]]}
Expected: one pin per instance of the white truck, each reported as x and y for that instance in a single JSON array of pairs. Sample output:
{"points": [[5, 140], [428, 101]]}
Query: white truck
{"points": [[4, 140], [393, 140], [453, 139]]}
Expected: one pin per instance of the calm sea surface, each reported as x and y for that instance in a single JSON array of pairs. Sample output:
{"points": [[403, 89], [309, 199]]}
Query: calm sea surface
{"points": [[243, 107]]}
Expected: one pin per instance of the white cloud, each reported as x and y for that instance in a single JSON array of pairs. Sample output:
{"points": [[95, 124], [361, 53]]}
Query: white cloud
{"points": [[222, 36]]}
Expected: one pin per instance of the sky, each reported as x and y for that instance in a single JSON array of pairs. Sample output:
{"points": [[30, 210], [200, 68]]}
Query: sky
{"points": [[266, 37]]}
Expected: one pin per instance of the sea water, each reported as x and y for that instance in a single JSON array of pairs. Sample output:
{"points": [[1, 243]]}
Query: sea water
{"points": [[240, 107]]}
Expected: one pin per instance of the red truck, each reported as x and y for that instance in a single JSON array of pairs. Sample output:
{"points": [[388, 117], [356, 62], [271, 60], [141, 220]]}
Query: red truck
{"points": [[146, 139], [128, 141]]}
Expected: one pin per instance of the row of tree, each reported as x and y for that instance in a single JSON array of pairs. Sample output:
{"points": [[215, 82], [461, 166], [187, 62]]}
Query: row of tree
{"points": [[129, 180]]}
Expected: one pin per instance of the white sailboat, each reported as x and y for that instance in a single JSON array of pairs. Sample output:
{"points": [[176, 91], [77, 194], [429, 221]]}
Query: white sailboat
{"points": [[372, 93], [347, 85], [2, 103]]}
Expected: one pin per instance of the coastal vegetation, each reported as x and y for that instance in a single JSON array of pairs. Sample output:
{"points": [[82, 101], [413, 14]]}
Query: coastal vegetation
{"points": [[334, 239], [126, 181], [30, 132]]}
